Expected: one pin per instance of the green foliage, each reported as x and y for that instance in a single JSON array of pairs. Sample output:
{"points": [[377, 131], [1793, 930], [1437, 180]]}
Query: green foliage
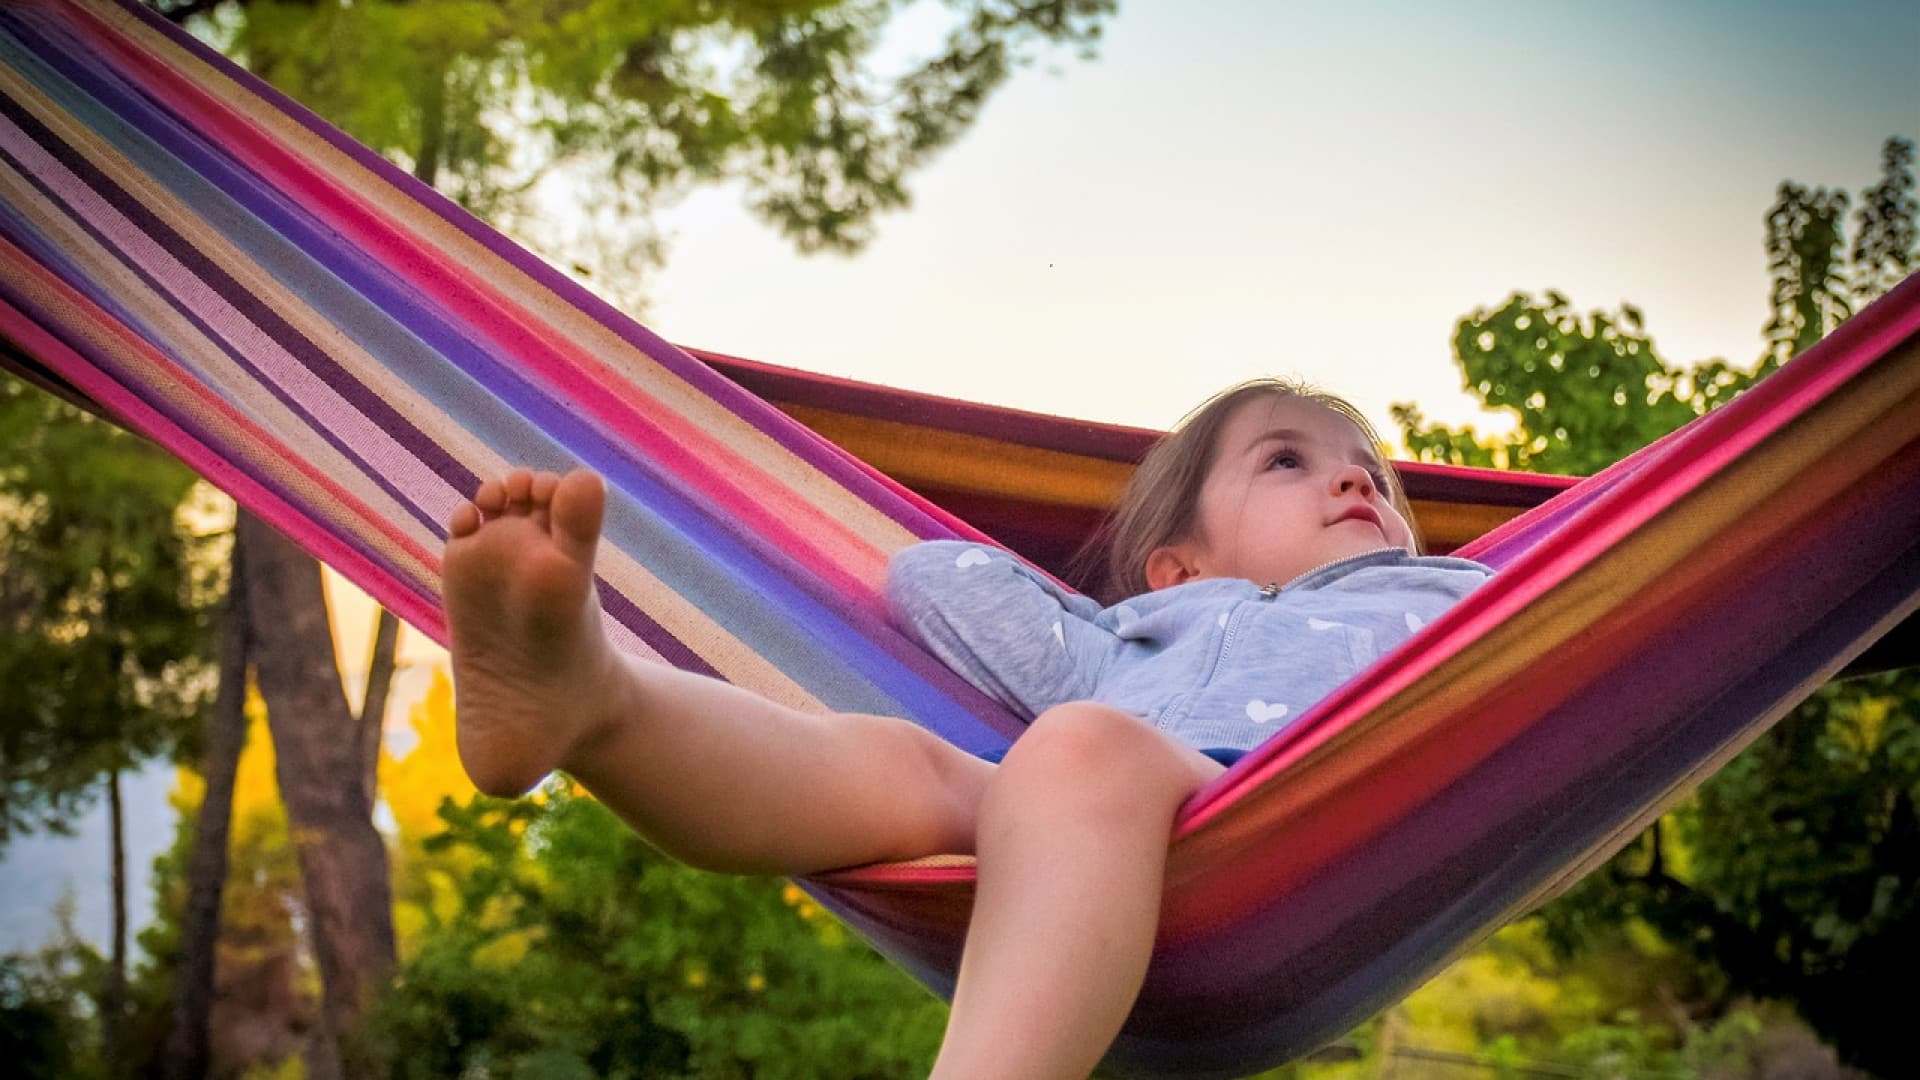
{"points": [[643, 99], [1884, 246], [105, 607], [1795, 872], [46, 1030], [1586, 388], [571, 948]]}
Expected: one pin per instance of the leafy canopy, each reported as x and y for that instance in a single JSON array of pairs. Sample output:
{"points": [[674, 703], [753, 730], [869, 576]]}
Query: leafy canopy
{"points": [[634, 102], [106, 599], [1795, 872]]}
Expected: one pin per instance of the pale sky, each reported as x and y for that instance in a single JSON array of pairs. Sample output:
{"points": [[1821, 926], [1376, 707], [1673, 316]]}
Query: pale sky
{"points": [[1240, 188], [1322, 189]]}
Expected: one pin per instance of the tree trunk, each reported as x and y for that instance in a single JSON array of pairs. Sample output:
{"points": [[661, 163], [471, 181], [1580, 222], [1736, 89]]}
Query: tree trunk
{"points": [[433, 127], [373, 705], [113, 1000], [188, 1053], [343, 861]]}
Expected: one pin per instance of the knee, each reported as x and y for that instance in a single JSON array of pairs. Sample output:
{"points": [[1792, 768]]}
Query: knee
{"points": [[1099, 754]]}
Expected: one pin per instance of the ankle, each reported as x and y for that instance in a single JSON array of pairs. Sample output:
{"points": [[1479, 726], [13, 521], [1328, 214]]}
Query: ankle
{"points": [[611, 703]]}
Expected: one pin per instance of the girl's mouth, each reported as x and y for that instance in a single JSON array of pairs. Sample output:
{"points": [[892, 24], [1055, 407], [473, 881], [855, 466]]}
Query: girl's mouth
{"points": [[1361, 513]]}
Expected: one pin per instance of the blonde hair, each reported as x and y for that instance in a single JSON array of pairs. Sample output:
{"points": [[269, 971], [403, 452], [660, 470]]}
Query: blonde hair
{"points": [[1161, 503]]}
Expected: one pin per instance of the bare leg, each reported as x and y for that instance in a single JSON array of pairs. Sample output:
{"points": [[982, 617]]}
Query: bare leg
{"points": [[1071, 831], [1072, 847], [714, 775]]}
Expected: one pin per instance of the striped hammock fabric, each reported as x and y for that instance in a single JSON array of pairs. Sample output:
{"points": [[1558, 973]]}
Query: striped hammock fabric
{"points": [[346, 353], [1041, 485]]}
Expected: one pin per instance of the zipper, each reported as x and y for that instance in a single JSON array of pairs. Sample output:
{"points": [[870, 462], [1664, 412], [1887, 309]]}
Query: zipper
{"points": [[1273, 588]]}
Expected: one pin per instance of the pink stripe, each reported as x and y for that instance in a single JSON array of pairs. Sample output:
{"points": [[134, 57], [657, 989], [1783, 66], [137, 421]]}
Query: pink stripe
{"points": [[623, 413], [1775, 400], [1726, 434], [193, 294], [421, 611]]}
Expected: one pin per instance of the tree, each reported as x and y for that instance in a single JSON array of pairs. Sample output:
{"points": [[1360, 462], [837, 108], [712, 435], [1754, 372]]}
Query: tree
{"points": [[45, 1033], [483, 100], [1795, 872], [188, 1053], [565, 946], [264, 1004], [327, 788], [638, 101], [106, 598]]}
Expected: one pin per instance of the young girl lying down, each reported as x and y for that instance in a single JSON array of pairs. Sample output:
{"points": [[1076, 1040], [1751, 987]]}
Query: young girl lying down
{"points": [[1265, 554]]}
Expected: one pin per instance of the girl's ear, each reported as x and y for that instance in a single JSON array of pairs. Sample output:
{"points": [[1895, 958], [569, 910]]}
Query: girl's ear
{"points": [[1170, 565]]}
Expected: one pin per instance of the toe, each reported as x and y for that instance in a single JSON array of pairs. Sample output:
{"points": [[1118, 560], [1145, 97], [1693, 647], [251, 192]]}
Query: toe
{"points": [[520, 490], [579, 503], [542, 496], [491, 499], [464, 522]]}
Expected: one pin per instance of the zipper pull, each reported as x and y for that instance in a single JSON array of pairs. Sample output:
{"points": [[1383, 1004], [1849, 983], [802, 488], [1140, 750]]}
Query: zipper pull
{"points": [[1270, 590]]}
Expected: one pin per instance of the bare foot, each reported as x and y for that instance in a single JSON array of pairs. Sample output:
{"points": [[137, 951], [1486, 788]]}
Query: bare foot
{"points": [[532, 669]]}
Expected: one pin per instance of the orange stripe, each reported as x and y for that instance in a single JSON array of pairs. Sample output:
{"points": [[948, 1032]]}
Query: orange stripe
{"points": [[926, 458], [921, 456], [1691, 550]]}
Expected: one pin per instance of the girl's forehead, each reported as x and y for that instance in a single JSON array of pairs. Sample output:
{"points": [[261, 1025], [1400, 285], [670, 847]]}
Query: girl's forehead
{"points": [[1279, 416]]}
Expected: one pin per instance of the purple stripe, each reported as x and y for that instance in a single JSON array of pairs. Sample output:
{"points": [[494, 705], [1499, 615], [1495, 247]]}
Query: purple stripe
{"points": [[776, 425], [670, 648], [806, 641], [123, 108], [1081, 438], [242, 455], [218, 281], [1551, 795], [715, 537]]}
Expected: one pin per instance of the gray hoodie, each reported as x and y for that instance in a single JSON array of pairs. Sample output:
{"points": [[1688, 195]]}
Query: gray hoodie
{"points": [[1220, 662]]}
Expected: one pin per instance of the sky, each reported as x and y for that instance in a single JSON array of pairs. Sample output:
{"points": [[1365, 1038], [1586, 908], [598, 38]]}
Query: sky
{"points": [[1321, 190], [1233, 189]]}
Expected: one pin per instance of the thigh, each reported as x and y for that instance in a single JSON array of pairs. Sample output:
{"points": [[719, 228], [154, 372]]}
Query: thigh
{"points": [[915, 789]]}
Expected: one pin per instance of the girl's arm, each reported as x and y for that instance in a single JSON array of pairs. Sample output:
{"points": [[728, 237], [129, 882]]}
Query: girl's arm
{"points": [[1004, 627]]}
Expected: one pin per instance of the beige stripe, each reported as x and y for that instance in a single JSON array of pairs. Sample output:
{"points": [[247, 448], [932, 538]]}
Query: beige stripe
{"points": [[181, 338], [252, 341], [565, 323], [685, 621], [680, 618]]}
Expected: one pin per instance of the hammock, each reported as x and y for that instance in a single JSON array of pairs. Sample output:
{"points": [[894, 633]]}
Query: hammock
{"points": [[346, 353]]}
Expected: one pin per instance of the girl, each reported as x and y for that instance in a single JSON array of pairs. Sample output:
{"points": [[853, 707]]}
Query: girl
{"points": [[1266, 554]]}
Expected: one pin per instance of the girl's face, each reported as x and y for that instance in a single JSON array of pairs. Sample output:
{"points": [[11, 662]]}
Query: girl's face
{"points": [[1293, 486]]}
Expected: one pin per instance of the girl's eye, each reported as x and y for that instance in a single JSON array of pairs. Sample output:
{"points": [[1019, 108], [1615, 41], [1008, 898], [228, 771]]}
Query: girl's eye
{"points": [[1284, 459]]}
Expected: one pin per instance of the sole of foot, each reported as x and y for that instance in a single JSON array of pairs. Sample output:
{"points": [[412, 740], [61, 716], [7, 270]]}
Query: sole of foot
{"points": [[531, 664]]}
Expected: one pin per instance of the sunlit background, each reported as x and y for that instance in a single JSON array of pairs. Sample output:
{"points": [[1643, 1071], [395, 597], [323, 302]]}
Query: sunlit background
{"points": [[1234, 189]]}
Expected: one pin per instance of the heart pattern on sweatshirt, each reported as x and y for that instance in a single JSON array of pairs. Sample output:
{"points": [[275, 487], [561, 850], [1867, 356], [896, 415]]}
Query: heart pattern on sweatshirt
{"points": [[1260, 712], [971, 557]]}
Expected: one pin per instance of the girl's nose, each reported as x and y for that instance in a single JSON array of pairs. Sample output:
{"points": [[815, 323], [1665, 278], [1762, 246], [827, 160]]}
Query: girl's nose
{"points": [[1351, 477]]}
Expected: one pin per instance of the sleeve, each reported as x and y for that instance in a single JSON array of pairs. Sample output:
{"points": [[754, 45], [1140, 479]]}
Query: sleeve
{"points": [[1004, 627]]}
